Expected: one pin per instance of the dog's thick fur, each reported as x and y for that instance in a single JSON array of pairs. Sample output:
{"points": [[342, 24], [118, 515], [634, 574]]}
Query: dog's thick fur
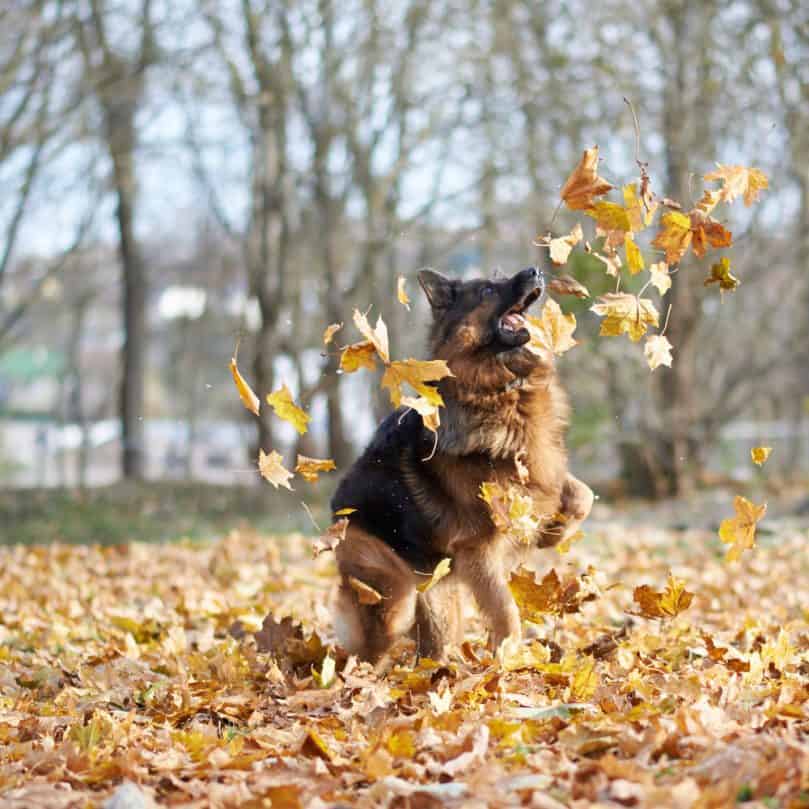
{"points": [[417, 500]]}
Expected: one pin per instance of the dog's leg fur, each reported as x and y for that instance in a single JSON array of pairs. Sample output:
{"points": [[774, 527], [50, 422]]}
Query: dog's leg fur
{"points": [[575, 504], [369, 630], [438, 619], [484, 570]]}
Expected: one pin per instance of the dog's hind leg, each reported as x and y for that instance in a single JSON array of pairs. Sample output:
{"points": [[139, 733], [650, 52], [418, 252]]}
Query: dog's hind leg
{"points": [[367, 624], [574, 507], [438, 619]]}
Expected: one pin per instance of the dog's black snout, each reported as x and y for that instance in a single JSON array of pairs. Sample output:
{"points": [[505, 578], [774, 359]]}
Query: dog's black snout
{"points": [[532, 275]]}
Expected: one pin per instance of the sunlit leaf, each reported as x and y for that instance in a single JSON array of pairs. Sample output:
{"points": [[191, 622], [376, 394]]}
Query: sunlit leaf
{"points": [[584, 185], [625, 314], [721, 274], [365, 593], [669, 603], [441, 570], [286, 409], [760, 455], [401, 294], [378, 336], [310, 468], [331, 330], [657, 351], [249, 399], [272, 469], [739, 531], [553, 330], [739, 181]]}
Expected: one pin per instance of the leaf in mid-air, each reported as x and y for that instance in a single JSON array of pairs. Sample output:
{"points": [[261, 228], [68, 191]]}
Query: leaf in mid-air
{"points": [[416, 373], [584, 185], [249, 399], [739, 531], [272, 469], [760, 455], [365, 593], [625, 314], [721, 274], [566, 285], [674, 236], [358, 355], [441, 570], [331, 330], [401, 294], [332, 537], [552, 330], [739, 181], [561, 247], [378, 336], [310, 468], [286, 409], [657, 351], [659, 276]]}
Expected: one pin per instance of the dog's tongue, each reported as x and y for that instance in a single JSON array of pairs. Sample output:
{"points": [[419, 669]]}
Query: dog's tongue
{"points": [[514, 320]]}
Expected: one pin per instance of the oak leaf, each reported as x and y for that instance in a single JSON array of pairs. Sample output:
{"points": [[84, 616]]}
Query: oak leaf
{"points": [[739, 181], [285, 408], [584, 185], [625, 314], [272, 469], [309, 468], [739, 531], [657, 351]]}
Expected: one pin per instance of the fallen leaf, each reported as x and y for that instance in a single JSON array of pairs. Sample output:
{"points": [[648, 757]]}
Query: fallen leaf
{"points": [[739, 531], [721, 274], [657, 351], [760, 455], [441, 570], [584, 184], [365, 593], [378, 336], [550, 596], [673, 600], [739, 181], [659, 276], [310, 468], [566, 285], [327, 673], [401, 294], [249, 399], [286, 409], [625, 314], [272, 469], [331, 330], [552, 330]]}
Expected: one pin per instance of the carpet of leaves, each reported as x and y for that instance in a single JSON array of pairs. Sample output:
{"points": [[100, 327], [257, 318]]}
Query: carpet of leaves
{"points": [[148, 664]]}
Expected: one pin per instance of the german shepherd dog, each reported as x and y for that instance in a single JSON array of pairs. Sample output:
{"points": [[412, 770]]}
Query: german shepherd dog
{"points": [[417, 497]]}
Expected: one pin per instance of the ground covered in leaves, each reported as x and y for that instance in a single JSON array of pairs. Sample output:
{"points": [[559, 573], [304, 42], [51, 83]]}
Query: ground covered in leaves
{"points": [[149, 664]]}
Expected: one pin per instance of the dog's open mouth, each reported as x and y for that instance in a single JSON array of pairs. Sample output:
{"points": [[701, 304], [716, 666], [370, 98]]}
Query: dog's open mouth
{"points": [[512, 324]]}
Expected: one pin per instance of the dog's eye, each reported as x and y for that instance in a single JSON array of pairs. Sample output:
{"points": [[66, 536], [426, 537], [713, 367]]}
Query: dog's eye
{"points": [[486, 291]]}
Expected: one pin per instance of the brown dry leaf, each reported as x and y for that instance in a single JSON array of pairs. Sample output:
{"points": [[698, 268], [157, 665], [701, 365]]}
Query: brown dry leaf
{"points": [[333, 536], [310, 468], [739, 181], [625, 314], [441, 570], [512, 511], [567, 285], [612, 261], [673, 600], [759, 455], [657, 351], [358, 355], [331, 330], [660, 277], [285, 408], [401, 295], [272, 469], [721, 274], [584, 185], [739, 531], [365, 593], [378, 336], [553, 330], [706, 232], [674, 236], [249, 399], [550, 596]]}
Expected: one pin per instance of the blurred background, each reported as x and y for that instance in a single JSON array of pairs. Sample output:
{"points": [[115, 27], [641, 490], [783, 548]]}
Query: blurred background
{"points": [[179, 176]]}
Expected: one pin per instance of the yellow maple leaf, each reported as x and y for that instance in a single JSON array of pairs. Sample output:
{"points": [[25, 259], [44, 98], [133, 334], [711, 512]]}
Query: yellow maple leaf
{"points": [[272, 469], [358, 355], [416, 373], [674, 235], [365, 593], [310, 468], [400, 292], [673, 600], [634, 257], [331, 330], [286, 409], [512, 511], [739, 531], [428, 411], [584, 184], [739, 181], [759, 455], [378, 336], [249, 399], [721, 274], [550, 596], [441, 570], [640, 216], [610, 216], [659, 276], [561, 247], [625, 314], [657, 351], [584, 681], [552, 330]]}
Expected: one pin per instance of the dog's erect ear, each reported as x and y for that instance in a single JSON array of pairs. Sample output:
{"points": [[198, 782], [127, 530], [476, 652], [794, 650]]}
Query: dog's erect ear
{"points": [[439, 289]]}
